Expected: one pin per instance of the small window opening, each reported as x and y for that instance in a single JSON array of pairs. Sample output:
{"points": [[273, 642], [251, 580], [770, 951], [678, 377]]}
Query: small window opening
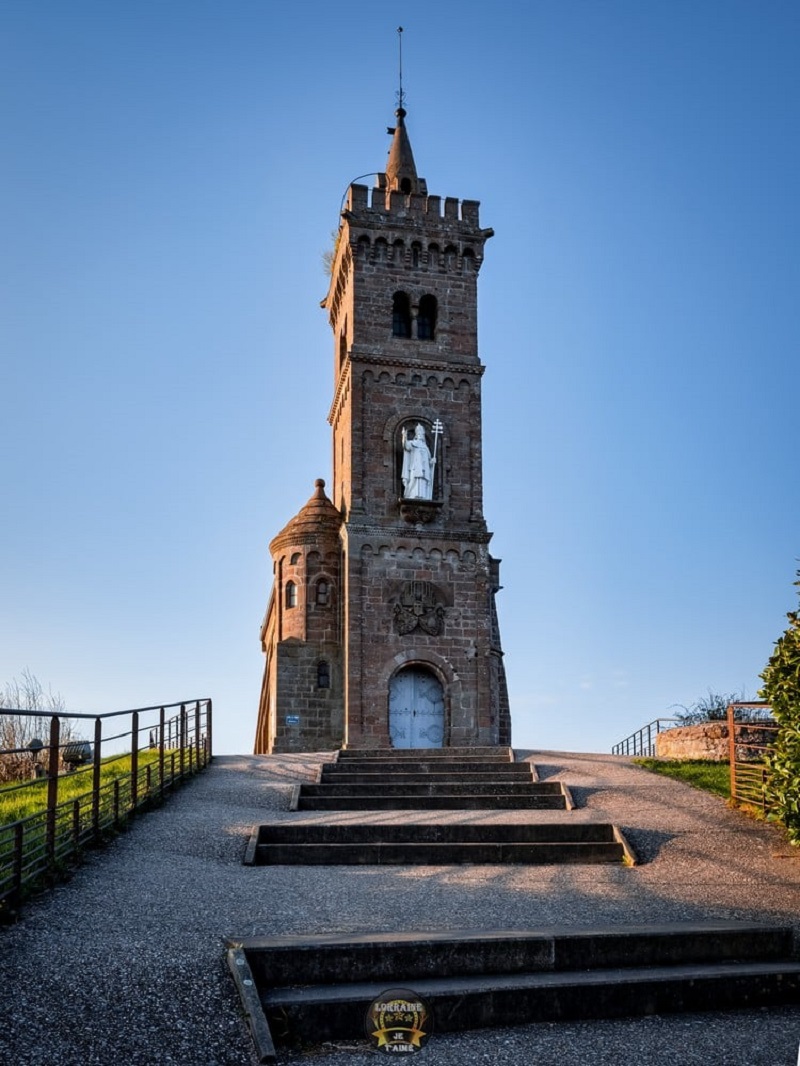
{"points": [[401, 315], [405, 185], [323, 593], [426, 319], [323, 674], [291, 594]]}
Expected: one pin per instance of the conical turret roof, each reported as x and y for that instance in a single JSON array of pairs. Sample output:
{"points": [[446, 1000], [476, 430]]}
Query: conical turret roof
{"points": [[316, 520]]}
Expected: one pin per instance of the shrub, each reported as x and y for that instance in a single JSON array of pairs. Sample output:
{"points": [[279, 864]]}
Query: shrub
{"points": [[781, 679], [713, 707]]}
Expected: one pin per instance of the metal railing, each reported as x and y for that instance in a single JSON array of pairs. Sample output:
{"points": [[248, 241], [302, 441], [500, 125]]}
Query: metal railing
{"points": [[749, 743], [643, 741], [46, 813]]}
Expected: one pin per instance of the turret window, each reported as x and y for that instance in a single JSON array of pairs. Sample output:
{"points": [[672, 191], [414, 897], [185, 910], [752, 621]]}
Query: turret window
{"points": [[323, 596], [291, 594], [426, 319], [342, 348], [323, 674], [401, 315]]}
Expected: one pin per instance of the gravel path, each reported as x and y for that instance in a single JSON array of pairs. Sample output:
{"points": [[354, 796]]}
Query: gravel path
{"points": [[125, 963]]}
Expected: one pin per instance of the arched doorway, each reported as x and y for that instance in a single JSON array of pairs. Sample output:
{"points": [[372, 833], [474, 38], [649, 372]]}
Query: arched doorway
{"points": [[416, 709]]}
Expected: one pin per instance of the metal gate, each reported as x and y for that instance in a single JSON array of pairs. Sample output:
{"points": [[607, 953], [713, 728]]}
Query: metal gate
{"points": [[416, 710]]}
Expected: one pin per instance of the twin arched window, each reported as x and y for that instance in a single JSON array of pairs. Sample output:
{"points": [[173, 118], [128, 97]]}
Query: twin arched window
{"points": [[426, 316], [322, 594]]}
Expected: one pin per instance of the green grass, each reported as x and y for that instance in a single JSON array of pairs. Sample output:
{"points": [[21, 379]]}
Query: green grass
{"points": [[708, 776], [18, 803]]}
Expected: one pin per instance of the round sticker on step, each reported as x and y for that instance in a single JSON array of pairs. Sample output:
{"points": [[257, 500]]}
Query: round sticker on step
{"points": [[398, 1021]]}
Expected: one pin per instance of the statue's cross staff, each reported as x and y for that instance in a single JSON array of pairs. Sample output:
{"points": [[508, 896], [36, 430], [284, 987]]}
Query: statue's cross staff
{"points": [[437, 429]]}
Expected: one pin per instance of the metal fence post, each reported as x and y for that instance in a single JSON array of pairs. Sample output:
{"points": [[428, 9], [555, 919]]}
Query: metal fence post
{"points": [[161, 751], [98, 745], [732, 749], [182, 736], [210, 749], [134, 759], [52, 786]]}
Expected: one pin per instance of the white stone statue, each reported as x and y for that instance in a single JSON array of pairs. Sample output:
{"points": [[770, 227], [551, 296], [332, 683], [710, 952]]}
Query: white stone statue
{"points": [[418, 465]]}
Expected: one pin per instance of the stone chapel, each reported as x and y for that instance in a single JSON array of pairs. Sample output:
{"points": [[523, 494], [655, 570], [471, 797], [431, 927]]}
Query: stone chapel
{"points": [[381, 629]]}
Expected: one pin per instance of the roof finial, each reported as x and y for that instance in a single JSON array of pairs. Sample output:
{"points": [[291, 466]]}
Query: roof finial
{"points": [[401, 171], [401, 94]]}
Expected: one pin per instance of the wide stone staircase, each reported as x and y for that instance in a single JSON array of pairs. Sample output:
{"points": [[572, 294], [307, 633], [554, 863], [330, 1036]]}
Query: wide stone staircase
{"points": [[485, 779], [430, 778], [299, 990]]}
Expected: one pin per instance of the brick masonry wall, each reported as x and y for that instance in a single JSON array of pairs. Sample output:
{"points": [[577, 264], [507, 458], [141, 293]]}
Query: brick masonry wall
{"points": [[460, 655], [419, 246], [308, 718]]}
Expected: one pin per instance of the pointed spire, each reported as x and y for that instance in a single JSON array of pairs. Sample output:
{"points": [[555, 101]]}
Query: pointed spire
{"points": [[401, 170]]}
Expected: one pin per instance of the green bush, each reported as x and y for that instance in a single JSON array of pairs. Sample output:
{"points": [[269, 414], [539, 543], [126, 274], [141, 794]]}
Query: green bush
{"points": [[781, 679]]}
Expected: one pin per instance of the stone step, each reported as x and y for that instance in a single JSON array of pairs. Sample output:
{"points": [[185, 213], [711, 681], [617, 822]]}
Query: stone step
{"points": [[480, 1002], [434, 801], [486, 853], [472, 787], [327, 957], [434, 832], [319, 988], [411, 754], [508, 770], [376, 780], [435, 844]]}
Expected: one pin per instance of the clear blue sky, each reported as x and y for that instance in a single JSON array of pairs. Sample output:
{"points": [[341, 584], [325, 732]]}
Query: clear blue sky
{"points": [[172, 172]]}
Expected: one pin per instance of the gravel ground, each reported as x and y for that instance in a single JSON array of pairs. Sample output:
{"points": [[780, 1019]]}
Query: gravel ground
{"points": [[125, 963]]}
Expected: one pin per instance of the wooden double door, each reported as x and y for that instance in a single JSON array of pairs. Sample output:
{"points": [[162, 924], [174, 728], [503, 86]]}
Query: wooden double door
{"points": [[416, 709]]}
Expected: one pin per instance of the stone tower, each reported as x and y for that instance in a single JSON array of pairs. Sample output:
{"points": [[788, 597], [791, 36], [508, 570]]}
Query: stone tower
{"points": [[381, 630]]}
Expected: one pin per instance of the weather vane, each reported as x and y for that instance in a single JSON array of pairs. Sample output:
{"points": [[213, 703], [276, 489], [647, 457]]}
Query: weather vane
{"points": [[401, 95]]}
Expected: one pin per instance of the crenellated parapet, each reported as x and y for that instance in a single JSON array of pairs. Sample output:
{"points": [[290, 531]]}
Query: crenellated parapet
{"points": [[370, 205]]}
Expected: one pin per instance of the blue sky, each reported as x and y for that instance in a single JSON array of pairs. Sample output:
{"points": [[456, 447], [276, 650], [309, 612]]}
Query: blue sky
{"points": [[172, 173]]}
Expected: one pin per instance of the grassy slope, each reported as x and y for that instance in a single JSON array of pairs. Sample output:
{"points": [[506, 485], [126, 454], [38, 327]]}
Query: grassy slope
{"points": [[709, 776]]}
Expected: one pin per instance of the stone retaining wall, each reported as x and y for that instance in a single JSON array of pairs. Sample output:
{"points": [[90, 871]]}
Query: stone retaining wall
{"points": [[710, 741]]}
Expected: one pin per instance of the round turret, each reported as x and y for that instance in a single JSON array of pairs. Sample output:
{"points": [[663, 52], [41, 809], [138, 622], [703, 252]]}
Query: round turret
{"points": [[306, 558]]}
